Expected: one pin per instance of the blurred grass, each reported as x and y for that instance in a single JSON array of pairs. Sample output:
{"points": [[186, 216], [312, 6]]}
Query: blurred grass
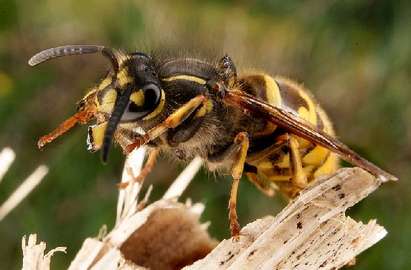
{"points": [[354, 55]]}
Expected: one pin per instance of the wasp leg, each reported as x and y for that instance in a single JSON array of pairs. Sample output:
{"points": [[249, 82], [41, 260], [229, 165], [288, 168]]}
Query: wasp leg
{"points": [[241, 140], [172, 121], [280, 146], [274, 148], [147, 168], [237, 152], [262, 185], [299, 178]]}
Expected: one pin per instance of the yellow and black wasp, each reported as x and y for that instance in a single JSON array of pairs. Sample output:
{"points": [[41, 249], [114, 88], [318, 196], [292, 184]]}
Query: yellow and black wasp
{"points": [[269, 128]]}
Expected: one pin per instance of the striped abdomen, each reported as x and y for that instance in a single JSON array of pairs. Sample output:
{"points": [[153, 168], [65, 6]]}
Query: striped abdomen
{"points": [[291, 96]]}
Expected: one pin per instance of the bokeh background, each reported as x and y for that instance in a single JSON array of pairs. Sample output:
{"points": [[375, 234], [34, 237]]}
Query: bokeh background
{"points": [[355, 55]]}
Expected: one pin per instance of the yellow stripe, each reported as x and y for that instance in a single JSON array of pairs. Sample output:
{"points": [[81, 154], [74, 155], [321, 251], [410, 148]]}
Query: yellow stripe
{"points": [[106, 82], [283, 161], [265, 165], [328, 167], [316, 156], [108, 101], [137, 97], [205, 108], [123, 77], [185, 77], [272, 91], [97, 134], [310, 115], [158, 109]]}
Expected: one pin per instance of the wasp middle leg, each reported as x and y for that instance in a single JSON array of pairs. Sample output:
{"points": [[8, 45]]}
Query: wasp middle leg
{"points": [[242, 142], [237, 152]]}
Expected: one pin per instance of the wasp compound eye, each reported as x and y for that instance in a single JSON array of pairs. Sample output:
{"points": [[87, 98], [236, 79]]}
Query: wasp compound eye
{"points": [[142, 102]]}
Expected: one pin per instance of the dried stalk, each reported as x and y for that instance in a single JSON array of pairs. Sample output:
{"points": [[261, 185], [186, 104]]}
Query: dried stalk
{"points": [[33, 254], [152, 235], [6, 159], [7, 156]]}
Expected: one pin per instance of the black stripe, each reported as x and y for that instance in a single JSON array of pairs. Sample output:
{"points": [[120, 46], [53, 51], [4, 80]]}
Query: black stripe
{"points": [[187, 66], [254, 85], [320, 122], [291, 97], [119, 108]]}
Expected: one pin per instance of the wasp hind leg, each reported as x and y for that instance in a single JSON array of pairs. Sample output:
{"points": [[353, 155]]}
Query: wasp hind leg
{"points": [[263, 186], [298, 178]]}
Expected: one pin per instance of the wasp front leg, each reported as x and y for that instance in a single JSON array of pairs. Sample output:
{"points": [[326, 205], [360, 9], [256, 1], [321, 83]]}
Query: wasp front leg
{"points": [[149, 165], [145, 171], [172, 121]]}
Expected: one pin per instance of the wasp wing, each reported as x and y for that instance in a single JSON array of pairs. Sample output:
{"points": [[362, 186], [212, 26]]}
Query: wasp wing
{"points": [[303, 129]]}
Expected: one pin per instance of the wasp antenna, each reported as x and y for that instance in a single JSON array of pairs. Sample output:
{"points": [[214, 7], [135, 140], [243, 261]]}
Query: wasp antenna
{"points": [[66, 50], [119, 108], [116, 57]]}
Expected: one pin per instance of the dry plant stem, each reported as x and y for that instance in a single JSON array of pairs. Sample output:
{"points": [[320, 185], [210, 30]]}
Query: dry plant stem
{"points": [[158, 227], [128, 197], [23, 190], [7, 156], [123, 230], [183, 180], [33, 254]]}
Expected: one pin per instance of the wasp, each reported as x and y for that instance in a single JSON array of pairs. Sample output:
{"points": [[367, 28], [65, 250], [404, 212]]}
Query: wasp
{"points": [[267, 127]]}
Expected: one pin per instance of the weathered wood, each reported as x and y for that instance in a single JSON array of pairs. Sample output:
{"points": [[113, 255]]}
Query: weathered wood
{"points": [[312, 232]]}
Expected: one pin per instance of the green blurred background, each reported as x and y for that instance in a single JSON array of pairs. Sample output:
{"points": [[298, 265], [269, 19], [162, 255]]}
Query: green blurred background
{"points": [[355, 55]]}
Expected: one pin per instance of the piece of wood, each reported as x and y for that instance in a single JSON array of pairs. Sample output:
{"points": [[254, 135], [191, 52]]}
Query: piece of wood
{"points": [[312, 232]]}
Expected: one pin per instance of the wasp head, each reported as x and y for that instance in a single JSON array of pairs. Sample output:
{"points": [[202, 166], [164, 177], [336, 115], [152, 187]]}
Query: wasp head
{"points": [[130, 92]]}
